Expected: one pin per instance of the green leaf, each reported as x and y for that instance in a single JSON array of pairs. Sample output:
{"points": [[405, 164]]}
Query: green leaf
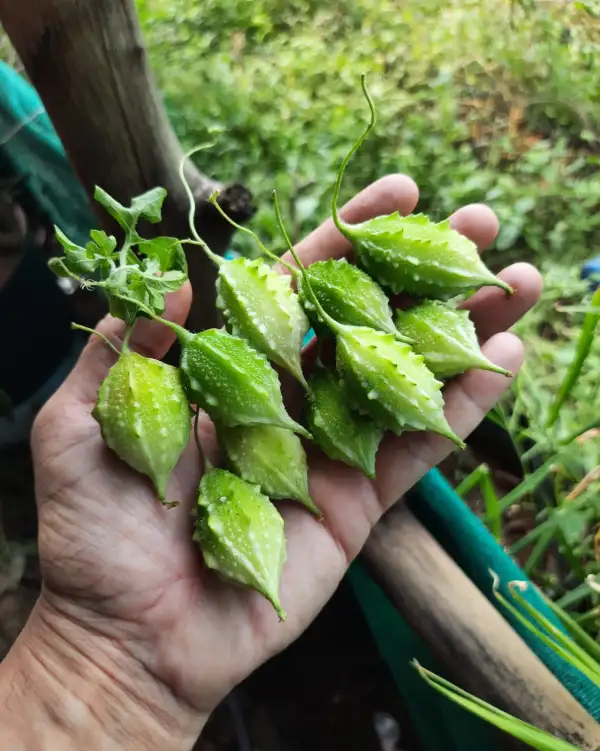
{"points": [[149, 205], [76, 259], [168, 251], [519, 729], [101, 244], [145, 206], [584, 346]]}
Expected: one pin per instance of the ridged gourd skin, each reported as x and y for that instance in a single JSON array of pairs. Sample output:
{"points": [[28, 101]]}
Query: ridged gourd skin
{"points": [[272, 458], [240, 533], [232, 382], [339, 431], [388, 381], [446, 338], [259, 305], [144, 416], [347, 294], [414, 255]]}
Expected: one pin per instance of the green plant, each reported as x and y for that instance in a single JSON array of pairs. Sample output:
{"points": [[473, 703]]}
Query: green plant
{"points": [[572, 644]]}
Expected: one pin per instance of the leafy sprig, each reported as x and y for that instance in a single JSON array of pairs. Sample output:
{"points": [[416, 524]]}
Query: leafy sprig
{"points": [[144, 270]]}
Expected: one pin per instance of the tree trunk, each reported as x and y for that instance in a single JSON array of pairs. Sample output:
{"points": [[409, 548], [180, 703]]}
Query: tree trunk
{"points": [[87, 60], [466, 633]]}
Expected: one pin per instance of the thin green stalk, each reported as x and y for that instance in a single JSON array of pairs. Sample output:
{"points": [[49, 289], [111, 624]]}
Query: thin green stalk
{"points": [[79, 327], [294, 271], [529, 484], [591, 615], [127, 336], [579, 432], [339, 223], [471, 481], [550, 635], [573, 561], [192, 205], [539, 549], [182, 334], [584, 640], [492, 506], [531, 536], [574, 596], [584, 346], [524, 731], [333, 324]]}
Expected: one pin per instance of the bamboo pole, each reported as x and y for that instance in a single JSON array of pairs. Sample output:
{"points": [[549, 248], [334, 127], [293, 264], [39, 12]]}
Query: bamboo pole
{"points": [[465, 632]]}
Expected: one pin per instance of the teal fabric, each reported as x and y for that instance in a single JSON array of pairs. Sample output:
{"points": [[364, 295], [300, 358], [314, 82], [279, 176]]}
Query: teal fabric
{"points": [[32, 151], [438, 723]]}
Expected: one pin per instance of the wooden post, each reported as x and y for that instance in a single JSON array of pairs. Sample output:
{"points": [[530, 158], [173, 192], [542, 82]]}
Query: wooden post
{"points": [[466, 633], [88, 63]]}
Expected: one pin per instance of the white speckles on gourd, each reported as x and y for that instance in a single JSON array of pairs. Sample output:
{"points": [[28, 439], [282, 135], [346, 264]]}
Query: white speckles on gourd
{"points": [[347, 294], [446, 338], [240, 533], [391, 248], [259, 305], [340, 432], [232, 382], [144, 416], [270, 457], [404, 394]]}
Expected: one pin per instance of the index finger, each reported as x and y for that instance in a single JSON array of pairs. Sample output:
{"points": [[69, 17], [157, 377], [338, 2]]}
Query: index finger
{"points": [[388, 194]]}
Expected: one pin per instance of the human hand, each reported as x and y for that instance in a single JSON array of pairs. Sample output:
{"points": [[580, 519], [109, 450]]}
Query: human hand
{"points": [[126, 600]]}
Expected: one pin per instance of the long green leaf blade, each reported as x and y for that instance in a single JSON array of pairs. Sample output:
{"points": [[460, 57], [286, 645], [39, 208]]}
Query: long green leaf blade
{"points": [[584, 346], [523, 731]]}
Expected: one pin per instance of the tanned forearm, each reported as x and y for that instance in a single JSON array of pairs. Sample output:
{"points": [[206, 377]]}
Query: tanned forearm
{"points": [[53, 697]]}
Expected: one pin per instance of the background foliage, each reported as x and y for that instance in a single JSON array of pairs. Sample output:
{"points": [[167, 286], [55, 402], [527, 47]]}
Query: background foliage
{"points": [[479, 101]]}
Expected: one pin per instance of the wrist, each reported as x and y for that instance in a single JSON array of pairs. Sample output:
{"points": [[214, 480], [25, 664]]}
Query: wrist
{"points": [[62, 687]]}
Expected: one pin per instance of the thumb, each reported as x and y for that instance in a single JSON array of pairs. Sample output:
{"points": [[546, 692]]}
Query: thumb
{"points": [[149, 338]]}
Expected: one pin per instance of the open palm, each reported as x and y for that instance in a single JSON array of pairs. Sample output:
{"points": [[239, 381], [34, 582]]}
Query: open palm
{"points": [[123, 569]]}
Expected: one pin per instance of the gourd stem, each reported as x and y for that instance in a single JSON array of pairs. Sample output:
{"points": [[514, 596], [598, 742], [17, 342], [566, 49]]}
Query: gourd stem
{"points": [[79, 327], [192, 206], [182, 334], [333, 324], [127, 336], [339, 223], [213, 199]]}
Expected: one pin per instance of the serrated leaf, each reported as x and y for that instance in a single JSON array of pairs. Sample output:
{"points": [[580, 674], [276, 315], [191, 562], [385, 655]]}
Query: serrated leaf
{"points": [[340, 432], [389, 382], [76, 259], [240, 533], [167, 251], [101, 244], [147, 206], [259, 305], [446, 338]]}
